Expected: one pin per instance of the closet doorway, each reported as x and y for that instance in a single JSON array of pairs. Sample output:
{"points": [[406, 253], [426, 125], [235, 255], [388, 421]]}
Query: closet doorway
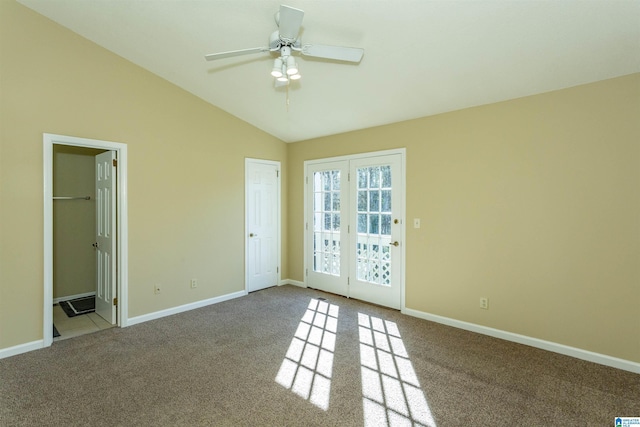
{"points": [[262, 224], [85, 235]]}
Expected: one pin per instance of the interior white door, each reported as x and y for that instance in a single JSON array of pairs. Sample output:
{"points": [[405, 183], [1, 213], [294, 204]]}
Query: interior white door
{"points": [[327, 227], [355, 216], [105, 236], [376, 267], [262, 224]]}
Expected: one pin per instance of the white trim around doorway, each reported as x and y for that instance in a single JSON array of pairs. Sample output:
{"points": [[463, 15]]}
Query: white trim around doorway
{"points": [[48, 141]]}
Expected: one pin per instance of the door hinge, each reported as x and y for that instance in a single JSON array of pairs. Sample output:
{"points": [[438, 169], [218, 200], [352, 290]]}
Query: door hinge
{"points": [[306, 225], [306, 179], [277, 269], [348, 281], [348, 229], [115, 301], [115, 163], [277, 174], [306, 272], [349, 177]]}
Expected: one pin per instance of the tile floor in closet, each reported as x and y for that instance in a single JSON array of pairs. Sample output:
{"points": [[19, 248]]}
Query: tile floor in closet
{"points": [[70, 327]]}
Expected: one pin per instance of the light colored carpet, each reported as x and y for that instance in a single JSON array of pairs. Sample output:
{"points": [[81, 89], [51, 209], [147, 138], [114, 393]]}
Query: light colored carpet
{"points": [[249, 362]]}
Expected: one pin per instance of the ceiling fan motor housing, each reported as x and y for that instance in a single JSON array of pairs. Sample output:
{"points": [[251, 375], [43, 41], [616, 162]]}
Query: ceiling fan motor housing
{"points": [[275, 42]]}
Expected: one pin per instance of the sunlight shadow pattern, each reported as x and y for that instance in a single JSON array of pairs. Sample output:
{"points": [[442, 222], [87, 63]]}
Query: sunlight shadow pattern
{"points": [[307, 366], [391, 392]]}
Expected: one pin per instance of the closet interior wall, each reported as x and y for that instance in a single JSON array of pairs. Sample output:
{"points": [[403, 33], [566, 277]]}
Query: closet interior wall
{"points": [[74, 221]]}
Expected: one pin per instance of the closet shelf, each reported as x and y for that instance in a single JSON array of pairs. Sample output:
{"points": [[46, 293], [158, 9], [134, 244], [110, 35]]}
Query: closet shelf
{"points": [[71, 198]]}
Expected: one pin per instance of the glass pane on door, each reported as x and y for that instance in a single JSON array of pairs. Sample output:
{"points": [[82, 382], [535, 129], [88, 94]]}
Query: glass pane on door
{"points": [[326, 222], [373, 255]]}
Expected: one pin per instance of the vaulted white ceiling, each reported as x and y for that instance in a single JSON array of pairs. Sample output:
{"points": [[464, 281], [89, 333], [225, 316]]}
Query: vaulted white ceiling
{"points": [[421, 57]]}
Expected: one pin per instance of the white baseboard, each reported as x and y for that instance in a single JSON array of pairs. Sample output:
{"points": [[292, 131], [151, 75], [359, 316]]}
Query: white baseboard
{"points": [[70, 297], [22, 348], [182, 308], [590, 356], [293, 282], [578, 353]]}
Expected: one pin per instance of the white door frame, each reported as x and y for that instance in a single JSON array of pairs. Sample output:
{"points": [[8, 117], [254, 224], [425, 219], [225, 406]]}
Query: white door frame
{"points": [[122, 231], [276, 164], [403, 246]]}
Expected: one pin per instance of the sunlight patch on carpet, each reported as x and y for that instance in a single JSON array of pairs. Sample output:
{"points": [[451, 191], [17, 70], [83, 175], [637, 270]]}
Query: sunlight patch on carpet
{"points": [[391, 392], [308, 364]]}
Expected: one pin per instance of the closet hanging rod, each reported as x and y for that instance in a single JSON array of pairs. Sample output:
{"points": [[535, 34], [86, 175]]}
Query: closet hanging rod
{"points": [[71, 198]]}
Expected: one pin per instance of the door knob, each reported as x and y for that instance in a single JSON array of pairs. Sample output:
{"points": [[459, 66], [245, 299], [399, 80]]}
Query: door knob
{"points": [[253, 235], [396, 244]]}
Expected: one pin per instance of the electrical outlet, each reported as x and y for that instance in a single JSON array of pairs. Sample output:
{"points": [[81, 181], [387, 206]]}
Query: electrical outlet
{"points": [[156, 288], [484, 303], [194, 283]]}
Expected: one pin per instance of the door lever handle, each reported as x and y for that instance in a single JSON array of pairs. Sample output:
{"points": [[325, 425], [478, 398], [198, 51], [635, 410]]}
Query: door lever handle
{"points": [[396, 244], [253, 235]]}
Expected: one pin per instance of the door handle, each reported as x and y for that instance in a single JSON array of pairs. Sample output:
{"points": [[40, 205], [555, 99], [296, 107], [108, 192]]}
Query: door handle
{"points": [[253, 235], [95, 245], [396, 244]]}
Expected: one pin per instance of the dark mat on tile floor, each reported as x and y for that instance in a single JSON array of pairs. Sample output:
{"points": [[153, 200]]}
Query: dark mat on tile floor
{"points": [[78, 306]]}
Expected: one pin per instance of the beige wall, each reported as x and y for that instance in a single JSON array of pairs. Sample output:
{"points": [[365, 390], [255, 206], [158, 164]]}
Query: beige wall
{"points": [[533, 203], [186, 170], [74, 221]]}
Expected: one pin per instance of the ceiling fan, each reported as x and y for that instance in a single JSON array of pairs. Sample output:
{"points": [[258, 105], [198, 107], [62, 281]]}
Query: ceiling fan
{"points": [[285, 42]]}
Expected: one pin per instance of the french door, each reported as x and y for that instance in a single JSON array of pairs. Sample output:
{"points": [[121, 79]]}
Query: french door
{"points": [[355, 219], [327, 227]]}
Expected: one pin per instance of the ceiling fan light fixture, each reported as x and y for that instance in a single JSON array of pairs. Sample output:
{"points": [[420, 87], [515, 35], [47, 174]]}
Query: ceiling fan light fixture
{"points": [[296, 76], [292, 67], [283, 78], [277, 68]]}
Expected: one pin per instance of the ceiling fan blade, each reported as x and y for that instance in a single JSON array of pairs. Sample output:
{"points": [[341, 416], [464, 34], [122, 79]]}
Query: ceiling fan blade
{"points": [[290, 20], [213, 56], [339, 53]]}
